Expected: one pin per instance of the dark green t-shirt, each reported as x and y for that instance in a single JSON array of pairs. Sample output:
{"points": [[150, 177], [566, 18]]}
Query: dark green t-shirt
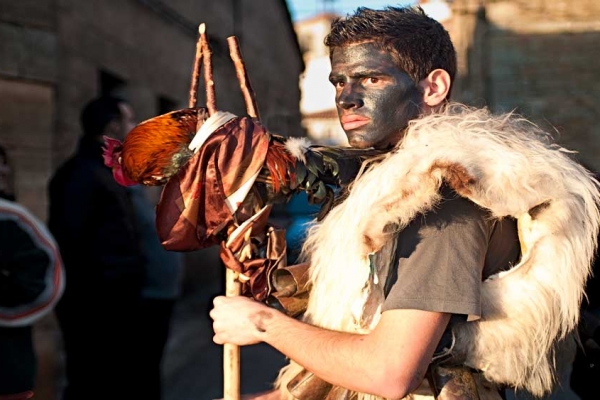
{"points": [[444, 255]]}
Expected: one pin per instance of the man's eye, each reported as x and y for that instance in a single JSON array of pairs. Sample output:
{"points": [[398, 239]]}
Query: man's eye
{"points": [[339, 84], [372, 80]]}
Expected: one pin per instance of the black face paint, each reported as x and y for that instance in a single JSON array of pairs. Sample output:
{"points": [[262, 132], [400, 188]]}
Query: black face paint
{"points": [[375, 100]]}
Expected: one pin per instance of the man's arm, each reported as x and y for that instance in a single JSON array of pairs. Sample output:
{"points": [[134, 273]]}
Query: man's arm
{"points": [[390, 361]]}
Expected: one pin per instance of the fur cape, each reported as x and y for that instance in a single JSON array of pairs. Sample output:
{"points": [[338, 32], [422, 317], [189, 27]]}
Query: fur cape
{"points": [[503, 163]]}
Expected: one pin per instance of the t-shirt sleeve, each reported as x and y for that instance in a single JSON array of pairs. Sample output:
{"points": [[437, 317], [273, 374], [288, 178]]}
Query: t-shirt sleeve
{"points": [[440, 257]]}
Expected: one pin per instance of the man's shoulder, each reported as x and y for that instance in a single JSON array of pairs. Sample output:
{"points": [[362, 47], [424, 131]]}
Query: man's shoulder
{"points": [[78, 168], [79, 160]]}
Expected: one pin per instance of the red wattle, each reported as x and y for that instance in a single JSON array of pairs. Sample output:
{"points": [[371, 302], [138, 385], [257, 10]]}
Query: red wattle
{"points": [[120, 177]]}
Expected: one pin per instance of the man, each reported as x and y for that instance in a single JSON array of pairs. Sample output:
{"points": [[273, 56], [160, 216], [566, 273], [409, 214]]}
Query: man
{"points": [[380, 87], [388, 293], [93, 220]]}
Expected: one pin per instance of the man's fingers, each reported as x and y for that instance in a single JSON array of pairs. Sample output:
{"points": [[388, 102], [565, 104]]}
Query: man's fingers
{"points": [[218, 339], [223, 337], [232, 320]]}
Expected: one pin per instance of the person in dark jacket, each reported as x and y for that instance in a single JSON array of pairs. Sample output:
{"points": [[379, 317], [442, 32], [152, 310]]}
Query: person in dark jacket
{"points": [[162, 287], [31, 282], [93, 221]]}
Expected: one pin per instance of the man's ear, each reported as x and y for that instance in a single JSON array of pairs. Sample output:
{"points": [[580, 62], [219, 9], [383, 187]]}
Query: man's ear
{"points": [[435, 87]]}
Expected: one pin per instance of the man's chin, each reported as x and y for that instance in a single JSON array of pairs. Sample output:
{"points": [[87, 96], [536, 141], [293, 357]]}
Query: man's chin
{"points": [[359, 143]]}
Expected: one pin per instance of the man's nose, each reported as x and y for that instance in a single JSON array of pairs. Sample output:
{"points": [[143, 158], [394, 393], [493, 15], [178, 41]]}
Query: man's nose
{"points": [[349, 98]]}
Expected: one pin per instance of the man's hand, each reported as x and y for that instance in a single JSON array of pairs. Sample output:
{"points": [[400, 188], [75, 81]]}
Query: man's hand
{"points": [[240, 320]]}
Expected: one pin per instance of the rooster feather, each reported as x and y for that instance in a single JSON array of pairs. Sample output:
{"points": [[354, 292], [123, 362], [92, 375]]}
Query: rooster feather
{"points": [[157, 148]]}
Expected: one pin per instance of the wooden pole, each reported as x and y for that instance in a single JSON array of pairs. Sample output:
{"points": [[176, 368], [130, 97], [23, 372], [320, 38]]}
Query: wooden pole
{"points": [[231, 352], [193, 98], [240, 70], [211, 103]]}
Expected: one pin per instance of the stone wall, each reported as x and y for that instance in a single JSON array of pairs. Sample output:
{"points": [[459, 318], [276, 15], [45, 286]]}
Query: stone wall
{"points": [[538, 58], [53, 52], [28, 72], [26, 121]]}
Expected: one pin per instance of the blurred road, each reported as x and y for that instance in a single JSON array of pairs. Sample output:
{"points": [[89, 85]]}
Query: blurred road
{"points": [[192, 364]]}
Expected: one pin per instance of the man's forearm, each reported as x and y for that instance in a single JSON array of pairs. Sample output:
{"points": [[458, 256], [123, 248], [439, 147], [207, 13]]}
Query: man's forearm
{"points": [[344, 359], [390, 361]]}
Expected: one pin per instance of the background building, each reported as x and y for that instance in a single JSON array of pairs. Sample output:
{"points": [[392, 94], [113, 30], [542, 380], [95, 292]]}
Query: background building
{"points": [[538, 57], [56, 55], [319, 115]]}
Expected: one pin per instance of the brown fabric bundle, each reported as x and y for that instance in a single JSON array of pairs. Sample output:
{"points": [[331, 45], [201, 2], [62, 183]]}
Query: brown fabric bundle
{"points": [[193, 209], [241, 253]]}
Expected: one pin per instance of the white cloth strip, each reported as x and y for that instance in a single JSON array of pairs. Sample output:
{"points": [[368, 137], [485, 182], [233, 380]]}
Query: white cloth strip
{"points": [[235, 199], [213, 123]]}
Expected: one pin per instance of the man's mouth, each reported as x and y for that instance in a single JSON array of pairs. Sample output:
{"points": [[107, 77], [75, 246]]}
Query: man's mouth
{"points": [[353, 121]]}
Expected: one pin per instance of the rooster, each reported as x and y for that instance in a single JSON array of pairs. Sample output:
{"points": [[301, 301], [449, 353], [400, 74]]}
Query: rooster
{"points": [[155, 149]]}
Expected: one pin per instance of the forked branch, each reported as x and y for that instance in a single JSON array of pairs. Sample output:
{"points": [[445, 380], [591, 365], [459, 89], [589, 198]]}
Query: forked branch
{"points": [[242, 74]]}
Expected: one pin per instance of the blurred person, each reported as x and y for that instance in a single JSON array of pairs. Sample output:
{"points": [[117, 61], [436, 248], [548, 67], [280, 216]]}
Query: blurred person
{"points": [[31, 282], [94, 222], [162, 287]]}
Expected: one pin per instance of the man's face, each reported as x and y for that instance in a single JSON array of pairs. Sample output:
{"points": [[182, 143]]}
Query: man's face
{"points": [[374, 99], [120, 126], [127, 121]]}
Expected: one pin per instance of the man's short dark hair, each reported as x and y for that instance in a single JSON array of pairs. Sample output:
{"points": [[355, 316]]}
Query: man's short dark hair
{"points": [[98, 113], [418, 44]]}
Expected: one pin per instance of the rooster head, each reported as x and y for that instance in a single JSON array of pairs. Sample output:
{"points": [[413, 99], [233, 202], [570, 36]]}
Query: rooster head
{"points": [[112, 159]]}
